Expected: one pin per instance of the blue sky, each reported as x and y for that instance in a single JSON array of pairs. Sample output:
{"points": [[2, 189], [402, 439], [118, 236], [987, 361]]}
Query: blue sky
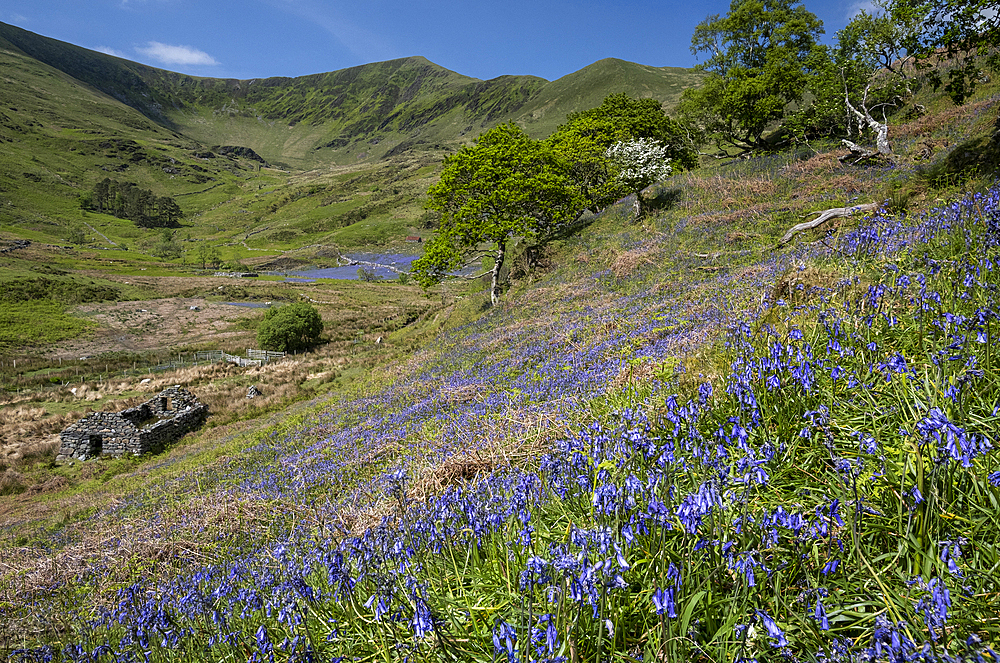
{"points": [[262, 38]]}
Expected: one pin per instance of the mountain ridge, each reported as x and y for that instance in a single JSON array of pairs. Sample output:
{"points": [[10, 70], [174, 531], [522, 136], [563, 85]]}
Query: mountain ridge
{"points": [[366, 111]]}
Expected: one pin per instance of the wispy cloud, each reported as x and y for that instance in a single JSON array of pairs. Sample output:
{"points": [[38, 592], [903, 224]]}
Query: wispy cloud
{"points": [[110, 51], [857, 7], [360, 42], [176, 55]]}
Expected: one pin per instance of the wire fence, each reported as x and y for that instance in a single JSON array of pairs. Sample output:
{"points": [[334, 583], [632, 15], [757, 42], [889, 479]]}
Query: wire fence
{"points": [[61, 377]]}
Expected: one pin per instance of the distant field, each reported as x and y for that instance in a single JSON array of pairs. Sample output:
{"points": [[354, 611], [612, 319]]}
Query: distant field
{"points": [[38, 322]]}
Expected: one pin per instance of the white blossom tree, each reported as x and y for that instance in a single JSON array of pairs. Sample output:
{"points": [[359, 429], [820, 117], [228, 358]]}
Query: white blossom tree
{"points": [[638, 163]]}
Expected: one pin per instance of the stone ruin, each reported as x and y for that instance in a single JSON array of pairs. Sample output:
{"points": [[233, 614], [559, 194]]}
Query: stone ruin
{"points": [[142, 429]]}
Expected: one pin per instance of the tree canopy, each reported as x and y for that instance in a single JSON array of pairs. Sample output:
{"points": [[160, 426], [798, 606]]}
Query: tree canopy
{"points": [[761, 56], [857, 83], [128, 201], [508, 185], [586, 137], [289, 328], [956, 38], [505, 185]]}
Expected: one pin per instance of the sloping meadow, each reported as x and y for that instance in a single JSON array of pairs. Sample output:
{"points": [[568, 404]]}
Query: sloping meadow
{"points": [[558, 482]]}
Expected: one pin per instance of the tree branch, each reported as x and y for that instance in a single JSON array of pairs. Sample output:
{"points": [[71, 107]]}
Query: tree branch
{"points": [[825, 216]]}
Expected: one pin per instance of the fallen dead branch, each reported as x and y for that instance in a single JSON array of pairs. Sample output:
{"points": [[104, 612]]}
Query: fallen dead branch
{"points": [[825, 216]]}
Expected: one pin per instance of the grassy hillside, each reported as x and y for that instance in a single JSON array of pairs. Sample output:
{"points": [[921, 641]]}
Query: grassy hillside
{"points": [[361, 113], [60, 137], [678, 441], [588, 87], [328, 162]]}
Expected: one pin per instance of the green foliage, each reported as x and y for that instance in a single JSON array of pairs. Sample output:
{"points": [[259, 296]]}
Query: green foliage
{"points": [[585, 138], [127, 201], [505, 185], [761, 52], [168, 249], [962, 34], [208, 255], [866, 65], [290, 328], [61, 290], [367, 274], [76, 235]]}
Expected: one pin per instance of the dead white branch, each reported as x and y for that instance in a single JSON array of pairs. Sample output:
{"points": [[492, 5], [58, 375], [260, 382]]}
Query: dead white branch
{"points": [[825, 216], [881, 129]]}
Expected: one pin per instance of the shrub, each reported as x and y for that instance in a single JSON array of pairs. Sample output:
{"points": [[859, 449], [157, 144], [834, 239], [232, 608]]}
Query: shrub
{"points": [[289, 328]]}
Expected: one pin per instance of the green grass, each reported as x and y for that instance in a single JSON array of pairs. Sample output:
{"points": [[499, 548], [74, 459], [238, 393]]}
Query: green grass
{"points": [[38, 322]]}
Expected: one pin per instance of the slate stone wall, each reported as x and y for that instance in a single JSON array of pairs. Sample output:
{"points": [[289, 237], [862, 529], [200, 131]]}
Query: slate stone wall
{"points": [[142, 429]]}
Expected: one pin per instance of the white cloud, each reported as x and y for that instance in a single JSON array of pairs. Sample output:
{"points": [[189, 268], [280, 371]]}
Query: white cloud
{"points": [[857, 7], [110, 51], [176, 55]]}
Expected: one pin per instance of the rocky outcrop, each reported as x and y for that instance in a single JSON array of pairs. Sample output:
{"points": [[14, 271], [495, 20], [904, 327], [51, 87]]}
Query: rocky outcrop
{"points": [[239, 151]]}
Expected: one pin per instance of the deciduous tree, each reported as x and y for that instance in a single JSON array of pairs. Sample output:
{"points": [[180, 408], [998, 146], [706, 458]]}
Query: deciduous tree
{"points": [[505, 185], [758, 67], [290, 327], [584, 140], [858, 83], [957, 38], [637, 163]]}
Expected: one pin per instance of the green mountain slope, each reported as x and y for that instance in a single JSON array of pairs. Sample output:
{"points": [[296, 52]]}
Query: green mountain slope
{"points": [[359, 146], [366, 112], [588, 87], [60, 136]]}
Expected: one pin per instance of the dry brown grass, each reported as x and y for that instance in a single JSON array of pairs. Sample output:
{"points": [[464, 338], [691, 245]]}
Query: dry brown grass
{"points": [[802, 285], [183, 534], [931, 123], [12, 482], [502, 442], [633, 375], [725, 192], [28, 434], [627, 262], [749, 214], [819, 164]]}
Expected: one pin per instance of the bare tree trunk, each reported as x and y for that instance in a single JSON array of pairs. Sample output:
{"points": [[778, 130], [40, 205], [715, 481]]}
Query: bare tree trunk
{"points": [[498, 263], [881, 129]]}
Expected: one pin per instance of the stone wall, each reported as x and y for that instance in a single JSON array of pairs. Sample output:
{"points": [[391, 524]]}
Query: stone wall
{"points": [[142, 429]]}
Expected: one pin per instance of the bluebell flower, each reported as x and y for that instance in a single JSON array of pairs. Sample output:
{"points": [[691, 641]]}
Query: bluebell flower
{"points": [[546, 632], [819, 614], [773, 631], [505, 639]]}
